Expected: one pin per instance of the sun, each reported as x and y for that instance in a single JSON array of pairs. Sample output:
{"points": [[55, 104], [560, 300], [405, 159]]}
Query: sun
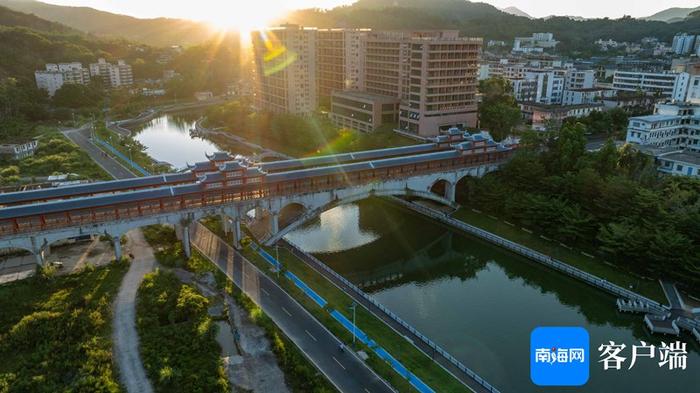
{"points": [[254, 15]]}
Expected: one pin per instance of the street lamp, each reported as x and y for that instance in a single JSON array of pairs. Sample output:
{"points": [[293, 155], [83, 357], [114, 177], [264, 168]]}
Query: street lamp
{"points": [[353, 307]]}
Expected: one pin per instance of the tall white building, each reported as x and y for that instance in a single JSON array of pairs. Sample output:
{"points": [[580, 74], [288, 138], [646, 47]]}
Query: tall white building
{"points": [[579, 79], [285, 64], [672, 85], [56, 75], [113, 75], [684, 43]]}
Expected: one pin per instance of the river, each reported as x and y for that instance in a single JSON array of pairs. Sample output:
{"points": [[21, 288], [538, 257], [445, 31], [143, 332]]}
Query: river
{"points": [[479, 301]]}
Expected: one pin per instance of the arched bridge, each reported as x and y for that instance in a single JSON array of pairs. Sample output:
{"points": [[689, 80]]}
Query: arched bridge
{"points": [[231, 187]]}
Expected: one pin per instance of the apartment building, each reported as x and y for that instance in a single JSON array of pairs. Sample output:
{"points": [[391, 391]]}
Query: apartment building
{"points": [[671, 85], [339, 60], [112, 75], [56, 75], [285, 64], [432, 73], [684, 43], [441, 87], [579, 79], [544, 86]]}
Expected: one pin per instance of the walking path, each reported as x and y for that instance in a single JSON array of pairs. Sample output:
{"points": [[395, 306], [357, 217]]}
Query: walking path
{"points": [[264, 152], [343, 369], [81, 137], [125, 339]]}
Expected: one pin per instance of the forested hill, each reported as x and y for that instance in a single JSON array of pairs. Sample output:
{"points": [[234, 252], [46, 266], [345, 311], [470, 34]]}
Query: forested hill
{"points": [[10, 18], [156, 32], [483, 20]]}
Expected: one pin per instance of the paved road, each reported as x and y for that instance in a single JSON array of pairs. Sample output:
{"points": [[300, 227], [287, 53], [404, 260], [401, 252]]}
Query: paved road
{"points": [[471, 383], [346, 371], [125, 339], [81, 137]]}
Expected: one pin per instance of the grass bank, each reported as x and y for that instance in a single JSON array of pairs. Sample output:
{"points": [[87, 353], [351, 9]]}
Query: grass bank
{"points": [[177, 337], [300, 374], [55, 332], [573, 257]]}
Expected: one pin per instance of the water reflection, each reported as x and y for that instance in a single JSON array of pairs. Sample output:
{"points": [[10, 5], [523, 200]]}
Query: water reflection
{"points": [[341, 231], [167, 138], [478, 300]]}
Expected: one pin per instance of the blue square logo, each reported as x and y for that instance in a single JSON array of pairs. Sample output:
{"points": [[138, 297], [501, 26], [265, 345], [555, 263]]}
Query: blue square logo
{"points": [[559, 356]]}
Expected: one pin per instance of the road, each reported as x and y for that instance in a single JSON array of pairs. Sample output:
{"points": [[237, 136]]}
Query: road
{"points": [[400, 329], [345, 370], [81, 137], [124, 335]]}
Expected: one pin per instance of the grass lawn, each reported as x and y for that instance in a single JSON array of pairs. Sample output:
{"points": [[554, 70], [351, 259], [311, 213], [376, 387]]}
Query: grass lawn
{"points": [[417, 362], [56, 154], [55, 332], [596, 266], [131, 148]]}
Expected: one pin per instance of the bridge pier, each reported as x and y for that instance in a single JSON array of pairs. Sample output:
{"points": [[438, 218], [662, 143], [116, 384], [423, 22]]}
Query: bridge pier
{"points": [[186, 246], [274, 223], [117, 243], [450, 191], [225, 223], [237, 234]]}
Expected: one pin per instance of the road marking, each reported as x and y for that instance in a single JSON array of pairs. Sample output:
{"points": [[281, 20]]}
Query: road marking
{"points": [[285, 310], [265, 291], [336, 360], [310, 335]]}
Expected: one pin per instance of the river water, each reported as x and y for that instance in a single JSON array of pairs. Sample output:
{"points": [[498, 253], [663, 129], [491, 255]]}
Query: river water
{"points": [[480, 302], [167, 138]]}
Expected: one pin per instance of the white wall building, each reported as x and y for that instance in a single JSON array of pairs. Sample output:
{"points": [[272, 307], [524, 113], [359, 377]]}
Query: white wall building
{"points": [[671, 135], [536, 43], [684, 44], [586, 96], [672, 85], [113, 75], [56, 75], [579, 79], [543, 87]]}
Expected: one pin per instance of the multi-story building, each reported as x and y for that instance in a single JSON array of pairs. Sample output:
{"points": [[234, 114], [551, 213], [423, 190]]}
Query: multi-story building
{"points": [[285, 64], [542, 116], [671, 135], [684, 44], [537, 43], [579, 79], [544, 86], [363, 111], [671, 85], [112, 75], [432, 73], [442, 86], [591, 95], [339, 61], [56, 75]]}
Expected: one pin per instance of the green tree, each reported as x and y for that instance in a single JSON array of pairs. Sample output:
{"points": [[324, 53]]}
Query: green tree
{"points": [[498, 111], [570, 146]]}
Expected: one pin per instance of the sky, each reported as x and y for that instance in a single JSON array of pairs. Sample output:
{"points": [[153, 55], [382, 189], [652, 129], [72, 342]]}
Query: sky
{"points": [[254, 13]]}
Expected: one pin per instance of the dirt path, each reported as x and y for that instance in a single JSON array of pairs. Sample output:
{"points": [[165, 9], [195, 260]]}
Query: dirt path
{"points": [[124, 336]]}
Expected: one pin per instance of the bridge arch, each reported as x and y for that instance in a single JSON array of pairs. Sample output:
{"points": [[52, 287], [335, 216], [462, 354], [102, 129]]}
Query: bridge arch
{"points": [[311, 213], [443, 188]]}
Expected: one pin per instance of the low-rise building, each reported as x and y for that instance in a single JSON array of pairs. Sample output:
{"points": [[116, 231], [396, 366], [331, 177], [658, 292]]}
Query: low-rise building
{"points": [[542, 117], [670, 85], [203, 95], [56, 75], [19, 150], [536, 43], [363, 111], [587, 96]]}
